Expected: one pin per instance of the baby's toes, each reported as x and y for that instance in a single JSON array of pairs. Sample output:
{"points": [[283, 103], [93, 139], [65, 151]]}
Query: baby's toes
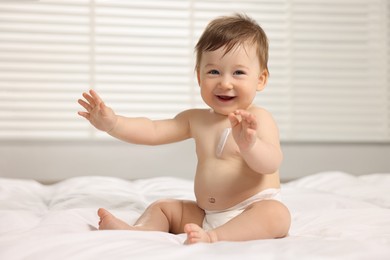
{"points": [[193, 235]]}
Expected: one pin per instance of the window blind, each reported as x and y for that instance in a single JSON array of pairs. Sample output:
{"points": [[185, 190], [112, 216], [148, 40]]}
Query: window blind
{"points": [[329, 64]]}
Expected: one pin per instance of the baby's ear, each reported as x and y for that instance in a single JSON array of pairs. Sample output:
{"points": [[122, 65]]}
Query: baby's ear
{"points": [[263, 80]]}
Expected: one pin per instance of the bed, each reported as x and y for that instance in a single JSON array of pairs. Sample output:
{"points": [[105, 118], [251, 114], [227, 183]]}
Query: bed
{"points": [[335, 215]]}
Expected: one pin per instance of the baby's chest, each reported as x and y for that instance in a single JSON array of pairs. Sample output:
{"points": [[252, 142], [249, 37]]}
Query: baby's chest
{"points": [[219, 143], [225, 144]]}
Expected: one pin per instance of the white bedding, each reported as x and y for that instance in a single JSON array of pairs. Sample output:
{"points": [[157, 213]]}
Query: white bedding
{"points": [[334, 216]]}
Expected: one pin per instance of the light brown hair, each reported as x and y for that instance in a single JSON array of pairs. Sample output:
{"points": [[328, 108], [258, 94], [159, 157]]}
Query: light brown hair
{"points": [[231, 31]]}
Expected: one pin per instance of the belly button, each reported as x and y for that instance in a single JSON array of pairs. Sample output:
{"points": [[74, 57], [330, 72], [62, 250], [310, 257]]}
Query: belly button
{"points": [[212, 200]]}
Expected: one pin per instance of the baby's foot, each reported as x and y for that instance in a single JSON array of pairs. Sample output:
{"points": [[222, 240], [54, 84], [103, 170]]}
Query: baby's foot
{"points": [[109, 221], [196, 234]]}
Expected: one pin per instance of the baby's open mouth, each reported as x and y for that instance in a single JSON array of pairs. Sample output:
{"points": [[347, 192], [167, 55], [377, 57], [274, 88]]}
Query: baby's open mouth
{"points": [[225, 98]]}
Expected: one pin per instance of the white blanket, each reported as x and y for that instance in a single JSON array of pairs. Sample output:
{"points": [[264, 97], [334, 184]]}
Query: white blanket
{"points": [[334, 216]]}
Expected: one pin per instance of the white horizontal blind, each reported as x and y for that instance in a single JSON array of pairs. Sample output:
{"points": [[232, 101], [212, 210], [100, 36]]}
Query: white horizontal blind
{"points": [[143, 56], [339, 82], [45, 58], [329, 63]]}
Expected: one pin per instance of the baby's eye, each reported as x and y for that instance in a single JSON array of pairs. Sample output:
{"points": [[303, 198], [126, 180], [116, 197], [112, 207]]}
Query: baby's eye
{"points": [[239, 72], [213, 72]]}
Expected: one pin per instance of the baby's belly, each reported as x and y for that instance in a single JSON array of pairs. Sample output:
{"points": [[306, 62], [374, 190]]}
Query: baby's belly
{"points": [[220, 184]]}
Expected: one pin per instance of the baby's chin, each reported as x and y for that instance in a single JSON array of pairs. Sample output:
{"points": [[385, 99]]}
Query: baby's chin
{"points": [[222, 113]]}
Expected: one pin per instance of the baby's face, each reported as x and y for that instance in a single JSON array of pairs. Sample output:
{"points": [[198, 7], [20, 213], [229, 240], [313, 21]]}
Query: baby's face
{"points": [[229, 81]]}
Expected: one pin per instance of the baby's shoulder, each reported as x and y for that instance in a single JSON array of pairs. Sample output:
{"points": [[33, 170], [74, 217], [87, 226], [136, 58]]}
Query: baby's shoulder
{"points": [[196, 113], [259, 111], [199, 118]]}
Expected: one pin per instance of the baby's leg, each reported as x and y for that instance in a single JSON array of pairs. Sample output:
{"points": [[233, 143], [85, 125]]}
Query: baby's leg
{"points": [[261, 220], [109, 221], [164, 215]]}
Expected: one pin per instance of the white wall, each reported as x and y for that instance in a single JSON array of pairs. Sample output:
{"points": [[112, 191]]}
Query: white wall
{"points": [[51, 161]]}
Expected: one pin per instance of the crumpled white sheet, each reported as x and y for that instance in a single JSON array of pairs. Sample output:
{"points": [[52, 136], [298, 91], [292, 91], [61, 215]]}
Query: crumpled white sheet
{"points": [[335, 215]]}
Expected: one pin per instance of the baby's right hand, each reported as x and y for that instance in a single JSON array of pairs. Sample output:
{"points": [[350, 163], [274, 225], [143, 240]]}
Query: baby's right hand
{"points": [[98, 114]]}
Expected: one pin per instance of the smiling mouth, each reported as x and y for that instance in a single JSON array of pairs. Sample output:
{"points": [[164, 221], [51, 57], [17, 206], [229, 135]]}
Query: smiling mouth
{"points": [[225, 98]]}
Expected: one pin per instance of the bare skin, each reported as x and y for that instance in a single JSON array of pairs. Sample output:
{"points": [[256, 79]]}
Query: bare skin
{"points": [[247, 165], [110, 222]]}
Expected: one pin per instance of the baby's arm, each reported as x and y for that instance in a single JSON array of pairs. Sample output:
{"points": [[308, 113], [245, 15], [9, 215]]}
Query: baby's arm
{"points": [[133, 130], [259, 144]]}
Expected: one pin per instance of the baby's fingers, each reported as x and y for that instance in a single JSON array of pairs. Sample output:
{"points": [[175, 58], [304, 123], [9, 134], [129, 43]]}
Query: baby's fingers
{"points": [[251, 120], [84, 114], [95, 97], [248, 119], [84, 104], [89, 99], [233, 119]]}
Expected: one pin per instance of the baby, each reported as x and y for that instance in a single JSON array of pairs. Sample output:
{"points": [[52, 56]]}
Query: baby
{"points": [[237, 184]]}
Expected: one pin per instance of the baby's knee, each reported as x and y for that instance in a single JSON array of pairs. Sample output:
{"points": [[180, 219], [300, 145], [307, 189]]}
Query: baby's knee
{"points": [[277, 216], [282, 219]]}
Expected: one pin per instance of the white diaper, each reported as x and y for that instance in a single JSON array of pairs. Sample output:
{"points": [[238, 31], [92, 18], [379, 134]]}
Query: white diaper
{"points": [[214, 219]]}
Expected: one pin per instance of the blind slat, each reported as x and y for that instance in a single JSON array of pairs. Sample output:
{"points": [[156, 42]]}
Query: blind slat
{"points": [[329, 64]]}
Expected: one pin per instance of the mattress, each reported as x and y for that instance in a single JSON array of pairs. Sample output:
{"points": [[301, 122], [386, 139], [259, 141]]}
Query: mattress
{"points": [[335, 215]]}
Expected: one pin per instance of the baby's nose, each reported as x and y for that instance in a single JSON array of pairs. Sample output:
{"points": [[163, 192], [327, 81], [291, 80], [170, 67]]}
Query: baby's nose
{"points": [[226, 83]]}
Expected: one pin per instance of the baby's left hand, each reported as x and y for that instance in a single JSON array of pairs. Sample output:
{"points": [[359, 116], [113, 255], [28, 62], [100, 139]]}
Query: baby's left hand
{"points": [[244, 126]]}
